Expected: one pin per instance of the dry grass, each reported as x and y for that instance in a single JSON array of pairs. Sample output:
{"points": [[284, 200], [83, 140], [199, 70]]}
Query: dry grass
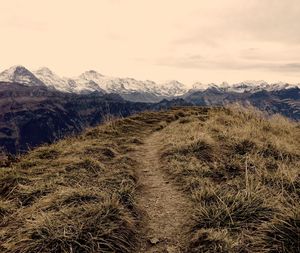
{"points": [[77, 195], [242, 171]]}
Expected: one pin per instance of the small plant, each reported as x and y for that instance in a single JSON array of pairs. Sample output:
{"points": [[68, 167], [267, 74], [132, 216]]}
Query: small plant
{"points": [[47, 153], [102, 227], [9, 181], [89, 165], [281, 235], [234, 211], [208, 241]]}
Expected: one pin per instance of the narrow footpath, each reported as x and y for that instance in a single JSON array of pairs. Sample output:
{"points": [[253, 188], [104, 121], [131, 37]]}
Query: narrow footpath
{"points": [[167, 210]]}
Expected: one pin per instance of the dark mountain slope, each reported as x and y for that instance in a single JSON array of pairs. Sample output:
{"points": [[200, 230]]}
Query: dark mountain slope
{"points": [[30, 116], [285, 101]]}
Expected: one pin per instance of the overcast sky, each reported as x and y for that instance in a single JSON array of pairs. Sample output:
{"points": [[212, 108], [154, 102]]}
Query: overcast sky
{"points": [[187, 40]]}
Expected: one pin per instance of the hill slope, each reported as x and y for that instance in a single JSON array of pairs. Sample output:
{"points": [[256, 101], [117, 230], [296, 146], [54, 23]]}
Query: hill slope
{"points": [[230, 183], [282, 101], [31, 116]]}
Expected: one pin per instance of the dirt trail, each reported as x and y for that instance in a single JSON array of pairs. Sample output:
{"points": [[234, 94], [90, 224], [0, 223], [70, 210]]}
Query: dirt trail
{"points": [[166, 208]]}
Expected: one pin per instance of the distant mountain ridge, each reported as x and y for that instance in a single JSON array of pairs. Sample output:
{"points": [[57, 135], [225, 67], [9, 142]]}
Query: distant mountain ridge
{"points": [[278, 97], [90, 81], [129, 88], [22, 75], [51, 107], [282, 101]]}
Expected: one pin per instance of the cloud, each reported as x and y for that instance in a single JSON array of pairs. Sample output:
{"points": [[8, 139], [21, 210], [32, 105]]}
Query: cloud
{"points": [[240, 35], [271, 53], [295, 66], [268, 20], [196, 62]]}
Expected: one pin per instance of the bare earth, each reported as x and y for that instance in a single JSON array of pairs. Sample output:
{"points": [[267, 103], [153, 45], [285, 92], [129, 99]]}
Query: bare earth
{"points": [[167, 210]]}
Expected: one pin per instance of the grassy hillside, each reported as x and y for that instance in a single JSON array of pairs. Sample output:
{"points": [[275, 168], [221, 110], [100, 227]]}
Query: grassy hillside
{"points": [[76, 195], [240, 171]]}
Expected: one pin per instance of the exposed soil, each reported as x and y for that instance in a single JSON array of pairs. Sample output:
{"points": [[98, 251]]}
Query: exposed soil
{"points": [[167, 210]]}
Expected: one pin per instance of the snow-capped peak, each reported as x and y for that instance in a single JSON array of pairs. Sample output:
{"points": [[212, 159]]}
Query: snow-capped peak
{"points": [[201, 87], [245, 86], [20, 74], [282, 85], [118, 85], [77, 84], [91, 80], [52, 80], [172, 88], [44, 71], [254, 86], [224, 85], [91, 74], [12, 70]]}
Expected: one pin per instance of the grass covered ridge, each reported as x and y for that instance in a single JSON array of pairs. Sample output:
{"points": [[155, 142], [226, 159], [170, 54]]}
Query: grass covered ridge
{"points": [[240, 169], [242, 172], [77, 195]]}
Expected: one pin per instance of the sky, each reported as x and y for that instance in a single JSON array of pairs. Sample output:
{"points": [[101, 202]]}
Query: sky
{"points": [[191, 40]]}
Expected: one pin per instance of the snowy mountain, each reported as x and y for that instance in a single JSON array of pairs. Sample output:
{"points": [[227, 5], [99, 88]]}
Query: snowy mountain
{"points": [[172, 88], [20, 74], [131, 85], [52, 80], [128, 88], [255, 86], [243, 87], [202, 87], [277, 97], [74, 85]]}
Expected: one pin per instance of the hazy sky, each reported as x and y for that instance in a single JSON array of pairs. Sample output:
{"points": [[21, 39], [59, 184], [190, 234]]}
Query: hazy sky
{"points": [[187, 40]]}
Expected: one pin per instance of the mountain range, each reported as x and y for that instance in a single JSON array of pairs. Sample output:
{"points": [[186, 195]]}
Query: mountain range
{"points": [[128, 88], [90, 81], [40, 107]]}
